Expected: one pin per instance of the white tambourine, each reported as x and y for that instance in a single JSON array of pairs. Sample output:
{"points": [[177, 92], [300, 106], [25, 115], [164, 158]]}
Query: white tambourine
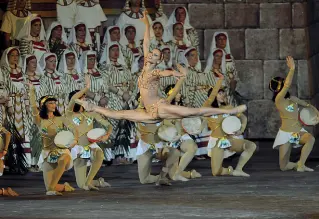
{"points": [[192, 126], [168, 133], [63, 139], [94, 134], [307, 117], [231, 124]]}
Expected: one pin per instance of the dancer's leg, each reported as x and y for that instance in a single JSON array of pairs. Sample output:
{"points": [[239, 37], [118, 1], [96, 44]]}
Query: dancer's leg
{"points": [[247, 148], [95, 166], [217, 158], [167, 111], [308, 140], [63, 162], [144, 165], [80, 169], [284, 157]]}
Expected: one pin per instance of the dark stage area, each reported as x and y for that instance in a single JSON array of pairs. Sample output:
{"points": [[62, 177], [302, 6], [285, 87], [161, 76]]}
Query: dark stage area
{"points": [[268, 193]]}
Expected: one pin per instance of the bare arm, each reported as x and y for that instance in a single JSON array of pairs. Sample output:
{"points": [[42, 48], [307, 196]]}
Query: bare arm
{"points": [[281, 96], [76, 96], [214, 93], [35, 112], [243, 120], [176, 90], [105, 123], [303, 103], [146, 41]]}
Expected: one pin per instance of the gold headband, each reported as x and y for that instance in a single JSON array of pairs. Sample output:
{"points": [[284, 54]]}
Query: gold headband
{"points": [[45, 99]]}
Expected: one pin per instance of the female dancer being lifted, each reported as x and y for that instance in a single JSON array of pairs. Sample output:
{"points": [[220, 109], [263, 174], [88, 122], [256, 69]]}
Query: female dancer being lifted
{"points": [[156, 108]]}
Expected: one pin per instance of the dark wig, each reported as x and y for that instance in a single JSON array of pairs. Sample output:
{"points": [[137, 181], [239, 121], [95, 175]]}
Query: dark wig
{"points": [[43, 109], [168, 89], [215, 102], [275, 85], [76, 107]]}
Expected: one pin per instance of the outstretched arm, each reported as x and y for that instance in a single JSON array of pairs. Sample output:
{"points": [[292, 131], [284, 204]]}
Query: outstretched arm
{"points": [[214, 92], [182, 72], [146, 41], [288, 81], [176, 90]]}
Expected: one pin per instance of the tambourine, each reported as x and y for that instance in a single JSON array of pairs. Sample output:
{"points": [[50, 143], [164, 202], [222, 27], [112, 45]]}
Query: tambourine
{"points": [[307, 117], [231, 124], [192, 126], [63, 139], [168, 133], [94, 134]]}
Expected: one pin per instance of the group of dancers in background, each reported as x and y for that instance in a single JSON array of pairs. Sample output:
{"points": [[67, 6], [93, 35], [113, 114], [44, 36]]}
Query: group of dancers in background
{"points": [[70, 129]]}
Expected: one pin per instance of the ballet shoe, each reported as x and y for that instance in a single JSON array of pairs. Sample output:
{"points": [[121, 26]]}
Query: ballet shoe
{"points": [[240, 173], [11, 192], [102, 183], [85, 104], [195, 174], [304, 169], [53, 193], [90, 188], [178, 177], [163, 182], [68, 188]]}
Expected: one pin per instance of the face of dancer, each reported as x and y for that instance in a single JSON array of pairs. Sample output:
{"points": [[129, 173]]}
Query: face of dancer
{"points": [[70, 61], [80, 33], [154, 57], [135, 3], [178, 31], [221, 42], [166, 55], [91, 62], [32, 65], [130, 34], [158, 30], [114, 53], [50, 105], [13, 57], [115, 35], [157, 3], [35, 28], [50, 63], [218, 58], [221, 97], [180, 15], [192, 58], [57, 32]]}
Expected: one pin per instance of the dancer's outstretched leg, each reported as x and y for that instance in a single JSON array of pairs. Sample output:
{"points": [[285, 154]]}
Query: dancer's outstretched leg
{"points": [[165, 111]]}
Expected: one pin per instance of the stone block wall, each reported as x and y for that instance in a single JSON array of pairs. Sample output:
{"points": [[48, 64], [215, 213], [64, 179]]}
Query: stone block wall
{"points": [[262, 33]]}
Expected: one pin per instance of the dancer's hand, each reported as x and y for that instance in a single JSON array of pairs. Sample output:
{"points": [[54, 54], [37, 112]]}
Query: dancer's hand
{"points": [[238, 133], [104, 138], [218, 74], [290, 62], [4, 152], [144, 19], [183, 71], [87, 81]]}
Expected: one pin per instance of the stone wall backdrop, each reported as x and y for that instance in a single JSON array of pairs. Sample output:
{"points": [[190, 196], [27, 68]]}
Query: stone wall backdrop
{"points": [[262, 33]]}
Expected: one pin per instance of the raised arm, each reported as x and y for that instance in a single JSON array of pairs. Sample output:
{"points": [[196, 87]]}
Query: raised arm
{"points": [[78, 95], [34, 108], [288, 81], [176, 90], [214, 92], [146, 41]]}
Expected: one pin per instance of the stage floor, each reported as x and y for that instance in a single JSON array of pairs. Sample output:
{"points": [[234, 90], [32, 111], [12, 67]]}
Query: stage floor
{"points": [[268, 193]]}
